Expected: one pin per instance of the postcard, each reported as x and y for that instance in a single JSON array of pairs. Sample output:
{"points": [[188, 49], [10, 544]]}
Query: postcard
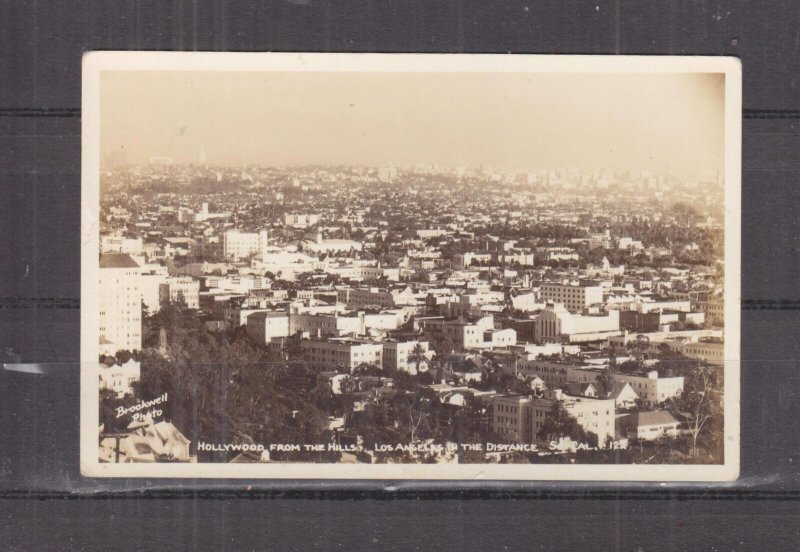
{"points": [[410, 266]]}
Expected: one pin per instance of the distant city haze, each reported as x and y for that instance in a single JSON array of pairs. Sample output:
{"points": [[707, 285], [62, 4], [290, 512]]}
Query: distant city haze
{"points": [[660, 122]]}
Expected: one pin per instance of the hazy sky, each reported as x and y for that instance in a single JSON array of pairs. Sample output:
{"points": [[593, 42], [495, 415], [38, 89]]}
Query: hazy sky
{"points": [[512, 121]]}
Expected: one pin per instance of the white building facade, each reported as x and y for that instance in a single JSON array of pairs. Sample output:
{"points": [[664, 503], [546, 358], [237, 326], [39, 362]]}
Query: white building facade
{"points": [[120, 298]]}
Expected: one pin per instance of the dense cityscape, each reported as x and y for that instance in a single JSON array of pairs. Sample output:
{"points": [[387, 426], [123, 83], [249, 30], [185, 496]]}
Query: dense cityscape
{"points": [[409, 314]]}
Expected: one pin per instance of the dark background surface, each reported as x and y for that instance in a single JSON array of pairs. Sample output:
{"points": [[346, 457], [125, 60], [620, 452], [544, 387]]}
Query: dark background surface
{"points": [[44, 503]]}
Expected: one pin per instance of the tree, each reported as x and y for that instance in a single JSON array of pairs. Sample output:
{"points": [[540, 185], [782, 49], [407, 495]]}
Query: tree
{"points": [[424, 378], [417, 413], [606, 379], [442, 345], [684, 213], [123, 356], [559, 423], [637, 349], [417, 356], [695, 403], [367, 369], [222, 389], [293, 348]]}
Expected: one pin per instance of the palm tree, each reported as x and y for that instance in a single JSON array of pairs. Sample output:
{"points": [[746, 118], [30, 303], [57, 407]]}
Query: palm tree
{"points": [[417, 356]]}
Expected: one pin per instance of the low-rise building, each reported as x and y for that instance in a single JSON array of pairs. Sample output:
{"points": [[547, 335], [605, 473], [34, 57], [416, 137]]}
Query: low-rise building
{"points": [[120, 378], [520, 418], [349, 353], [264, 326], [652, 389], [355, 298], [554, 374], [649, 425], [326, 325], [712, 352], [555, 324], [396, 355], [593, 415], [511, 417], [468, 335], [574, 297], [183, 290]]}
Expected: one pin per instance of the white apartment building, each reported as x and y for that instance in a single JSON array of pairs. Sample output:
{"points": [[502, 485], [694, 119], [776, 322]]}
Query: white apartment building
{"points": [[511, 417], [574, 297], [651, 388], [520, 418], [183, 290], [526, 302], [554, 374], [500, 338], [120, 304], [714, 310], [594, 415], [334, 352], [237, 245], [325, 325], [264, 326], [467, 335], [152, 276], [396, 353], [238, 284], [712, 352], [364, 273], [236, 316]]}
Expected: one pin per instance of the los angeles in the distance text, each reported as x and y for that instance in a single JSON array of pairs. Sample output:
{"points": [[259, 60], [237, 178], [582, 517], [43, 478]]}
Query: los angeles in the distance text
{"points": [[562, 445]]}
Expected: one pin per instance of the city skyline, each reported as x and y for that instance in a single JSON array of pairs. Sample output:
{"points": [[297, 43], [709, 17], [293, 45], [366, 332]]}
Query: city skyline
{"points": [[659, 122]]}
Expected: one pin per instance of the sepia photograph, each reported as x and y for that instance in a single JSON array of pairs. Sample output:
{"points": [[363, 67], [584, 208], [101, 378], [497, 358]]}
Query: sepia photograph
{"points": [[410, 266]]}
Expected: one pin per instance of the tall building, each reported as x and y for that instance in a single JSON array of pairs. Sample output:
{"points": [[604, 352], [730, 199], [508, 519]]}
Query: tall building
{"points": [[237, 245], [120, 304]]}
